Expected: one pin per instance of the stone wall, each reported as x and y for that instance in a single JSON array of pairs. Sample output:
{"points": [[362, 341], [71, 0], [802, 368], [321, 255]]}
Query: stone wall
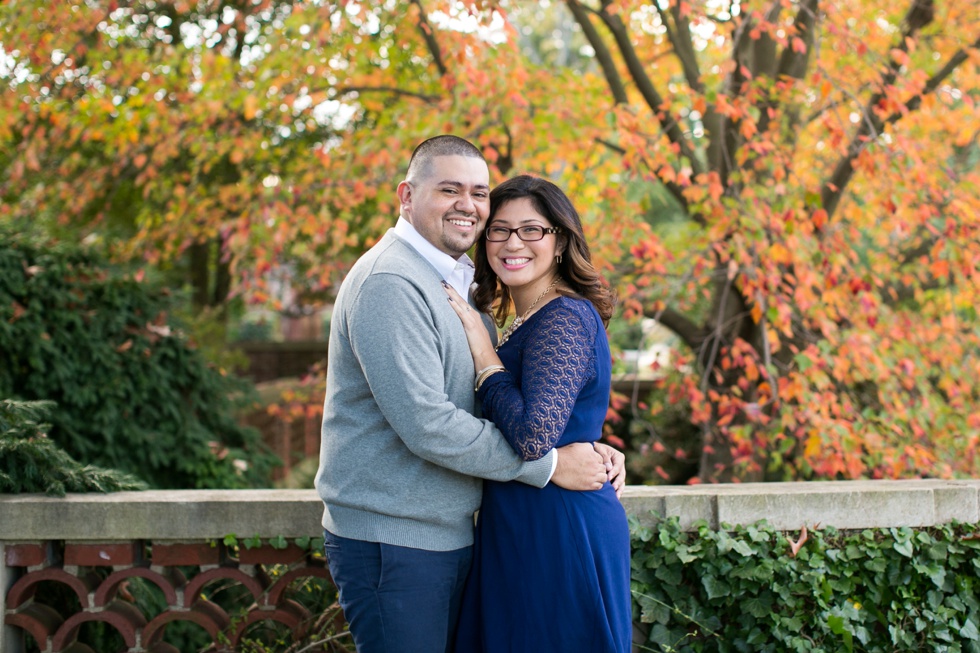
{"points": [[152, 534]]}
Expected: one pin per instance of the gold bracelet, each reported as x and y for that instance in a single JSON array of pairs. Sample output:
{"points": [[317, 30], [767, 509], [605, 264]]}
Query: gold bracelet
{"points": [[486, 373], [483, 374]]}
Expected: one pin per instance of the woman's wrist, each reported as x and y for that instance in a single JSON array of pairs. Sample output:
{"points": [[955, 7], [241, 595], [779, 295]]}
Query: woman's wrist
{"points": [[485, 358], [485, 373]]}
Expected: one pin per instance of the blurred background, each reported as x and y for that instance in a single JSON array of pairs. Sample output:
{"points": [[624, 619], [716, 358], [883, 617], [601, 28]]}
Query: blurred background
{"points": [[783, 195]]}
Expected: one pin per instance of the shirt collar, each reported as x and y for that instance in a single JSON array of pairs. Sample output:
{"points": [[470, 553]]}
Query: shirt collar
{"points": [[442, 262]]}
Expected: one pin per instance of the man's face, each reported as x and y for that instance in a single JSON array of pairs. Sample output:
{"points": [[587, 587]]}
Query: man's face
{"points": [[450, 204]]}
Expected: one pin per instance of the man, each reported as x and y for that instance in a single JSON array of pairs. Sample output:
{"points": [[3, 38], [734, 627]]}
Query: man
{"points": [[402, 455]]}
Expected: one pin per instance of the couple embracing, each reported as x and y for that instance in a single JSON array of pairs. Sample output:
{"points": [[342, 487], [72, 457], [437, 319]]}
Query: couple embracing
{"points": [[429, 418]]}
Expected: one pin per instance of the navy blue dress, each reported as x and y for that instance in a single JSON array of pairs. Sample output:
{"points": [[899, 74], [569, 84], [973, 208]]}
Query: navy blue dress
{"points": [[551, 568]]}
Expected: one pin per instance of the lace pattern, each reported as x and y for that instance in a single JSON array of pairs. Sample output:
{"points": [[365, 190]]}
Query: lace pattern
{"points": [[556, 358]]}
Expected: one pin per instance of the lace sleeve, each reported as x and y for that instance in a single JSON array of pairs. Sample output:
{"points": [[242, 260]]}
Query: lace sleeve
{"points": [[558, 361]]}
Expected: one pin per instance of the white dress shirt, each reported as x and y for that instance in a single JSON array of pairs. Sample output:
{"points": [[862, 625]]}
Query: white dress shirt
{"points": [[459, 273]]}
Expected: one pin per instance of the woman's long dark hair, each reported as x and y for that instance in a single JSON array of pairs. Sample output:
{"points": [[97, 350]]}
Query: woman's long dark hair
{"points": [[578, 275]]}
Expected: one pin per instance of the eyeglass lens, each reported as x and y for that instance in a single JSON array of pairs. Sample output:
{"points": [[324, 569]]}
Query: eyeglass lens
{"points": [[528, 233]]}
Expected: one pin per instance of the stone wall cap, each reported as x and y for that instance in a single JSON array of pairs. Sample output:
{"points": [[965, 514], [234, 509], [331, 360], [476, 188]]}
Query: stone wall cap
{"points": [[194, 515]]}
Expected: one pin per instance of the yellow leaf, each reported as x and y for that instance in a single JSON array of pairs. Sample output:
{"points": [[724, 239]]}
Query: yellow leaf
{"points": [[779, 253], [812, 447]]}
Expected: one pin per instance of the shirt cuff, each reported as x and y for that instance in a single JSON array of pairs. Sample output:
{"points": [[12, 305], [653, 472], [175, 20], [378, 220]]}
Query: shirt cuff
{"points": [[554, 465]]}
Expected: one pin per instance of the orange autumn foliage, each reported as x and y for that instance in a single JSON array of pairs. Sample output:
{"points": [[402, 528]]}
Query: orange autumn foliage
{"points": [[822, 155]]}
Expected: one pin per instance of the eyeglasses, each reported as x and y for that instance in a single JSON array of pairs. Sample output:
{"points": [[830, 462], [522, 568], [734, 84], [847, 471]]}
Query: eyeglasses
{"points": [[529, 233]]}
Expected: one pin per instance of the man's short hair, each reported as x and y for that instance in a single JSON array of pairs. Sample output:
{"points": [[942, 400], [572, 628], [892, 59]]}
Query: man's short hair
{"points": [[444, 145]]}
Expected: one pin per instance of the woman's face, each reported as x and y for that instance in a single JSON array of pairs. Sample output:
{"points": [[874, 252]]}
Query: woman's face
{"points": [[521, 263]]}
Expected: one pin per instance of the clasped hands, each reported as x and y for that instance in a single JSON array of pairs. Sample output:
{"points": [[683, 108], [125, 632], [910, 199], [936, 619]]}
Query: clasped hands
{"points": [[585, 466]]}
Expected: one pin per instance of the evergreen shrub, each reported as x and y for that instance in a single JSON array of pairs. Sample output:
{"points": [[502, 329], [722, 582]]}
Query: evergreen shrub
{"points": [[132, 392], [31, 462]]}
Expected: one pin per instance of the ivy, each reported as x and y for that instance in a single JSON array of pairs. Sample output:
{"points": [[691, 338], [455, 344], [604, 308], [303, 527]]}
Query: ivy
{"points": [[743, 589], [278, 542]]}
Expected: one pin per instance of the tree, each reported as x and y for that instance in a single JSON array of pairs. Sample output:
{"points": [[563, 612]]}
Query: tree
{"points": [[821, 156], [827, 154]]}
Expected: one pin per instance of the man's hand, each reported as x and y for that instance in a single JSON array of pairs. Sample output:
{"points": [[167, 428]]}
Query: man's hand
{"points": [[615, 463], [580, 467]]}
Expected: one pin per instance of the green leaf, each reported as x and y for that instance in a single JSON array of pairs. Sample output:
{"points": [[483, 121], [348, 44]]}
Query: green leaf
{"points": [[743, 548], [278, 542], [758, 607], [905, 548], [685, 555], [969, 631], [669, 574], [715, 587], [839, 626]]}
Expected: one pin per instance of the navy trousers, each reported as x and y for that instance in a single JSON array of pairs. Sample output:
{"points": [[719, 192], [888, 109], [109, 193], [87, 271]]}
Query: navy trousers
{"points": [[397, 599]]}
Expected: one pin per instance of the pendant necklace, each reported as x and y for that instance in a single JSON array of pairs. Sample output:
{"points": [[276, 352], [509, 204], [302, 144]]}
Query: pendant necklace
{"points": [[518, 321]]}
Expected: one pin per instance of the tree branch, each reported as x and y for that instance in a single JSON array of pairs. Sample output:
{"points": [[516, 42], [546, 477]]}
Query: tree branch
{"points": [[793, 63], [689, 332], [650, 95], [723, 139], [680, 38], [610, 145], [919, 14], [602, 54], [430, 39], [914, 102], [343, 90]]}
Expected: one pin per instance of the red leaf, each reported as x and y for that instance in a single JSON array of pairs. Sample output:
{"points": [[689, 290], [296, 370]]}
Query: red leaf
{"points": [[18, 311], [794, 547], [819, 218]]}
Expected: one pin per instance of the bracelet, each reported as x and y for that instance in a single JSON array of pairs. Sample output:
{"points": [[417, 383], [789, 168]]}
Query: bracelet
{"points": [[486, 373]]}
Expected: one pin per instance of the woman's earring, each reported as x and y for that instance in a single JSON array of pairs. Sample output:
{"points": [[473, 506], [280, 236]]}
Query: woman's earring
{"points": [[558, 259]]}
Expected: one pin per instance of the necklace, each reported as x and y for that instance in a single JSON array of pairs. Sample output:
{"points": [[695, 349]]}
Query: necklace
{"points": [[518, 321]]}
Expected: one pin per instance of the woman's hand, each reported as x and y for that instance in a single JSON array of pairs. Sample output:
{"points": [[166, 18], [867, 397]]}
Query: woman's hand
{"points": [[476, 331], [615, 463]]}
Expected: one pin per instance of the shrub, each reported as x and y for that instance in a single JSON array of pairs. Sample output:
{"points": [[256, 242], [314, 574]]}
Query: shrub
{"points": [[132, 392], [30, 462]]}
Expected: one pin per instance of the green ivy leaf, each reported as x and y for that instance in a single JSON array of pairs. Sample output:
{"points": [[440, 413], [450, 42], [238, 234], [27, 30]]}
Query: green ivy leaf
{"points": [[969, 631], [905, 548], [742, 547], [684, 555], [278, 542], [839, 626], [758, 607], [715, 587], [669, 574]]}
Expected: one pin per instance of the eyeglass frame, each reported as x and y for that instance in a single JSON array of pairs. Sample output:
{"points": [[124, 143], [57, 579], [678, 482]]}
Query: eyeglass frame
{"points": [[517, 230]]}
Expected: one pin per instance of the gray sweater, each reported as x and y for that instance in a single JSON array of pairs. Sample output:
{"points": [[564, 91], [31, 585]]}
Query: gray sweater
{"points": [[401, 454]]}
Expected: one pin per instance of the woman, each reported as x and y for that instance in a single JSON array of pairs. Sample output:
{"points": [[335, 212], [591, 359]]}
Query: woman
{"points": [[551, 567]]}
